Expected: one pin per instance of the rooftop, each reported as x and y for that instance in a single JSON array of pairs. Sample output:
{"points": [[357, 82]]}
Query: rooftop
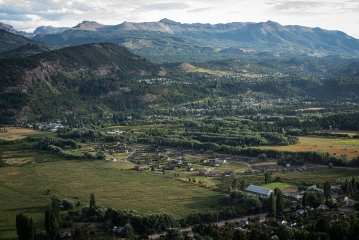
{"points": [[259, 190]]}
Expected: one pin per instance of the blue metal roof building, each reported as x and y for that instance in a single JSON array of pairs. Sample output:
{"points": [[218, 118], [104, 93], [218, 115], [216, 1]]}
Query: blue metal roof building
{"points": [[259, 190]]}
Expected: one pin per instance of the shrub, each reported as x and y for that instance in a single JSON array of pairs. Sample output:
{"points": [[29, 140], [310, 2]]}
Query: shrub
{"points": [[68, 204]]}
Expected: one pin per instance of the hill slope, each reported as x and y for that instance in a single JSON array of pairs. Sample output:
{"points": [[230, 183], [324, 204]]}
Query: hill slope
{"points": [[69, 80], [13, 45], [10, 41]]}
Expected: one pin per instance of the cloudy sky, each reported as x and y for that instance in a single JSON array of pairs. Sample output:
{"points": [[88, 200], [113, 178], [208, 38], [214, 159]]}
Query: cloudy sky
{"points": [[26, 15]]}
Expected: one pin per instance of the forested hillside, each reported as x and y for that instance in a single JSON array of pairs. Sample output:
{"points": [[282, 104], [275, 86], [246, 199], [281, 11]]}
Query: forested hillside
{"points": [[105, 79], [68, 80]]}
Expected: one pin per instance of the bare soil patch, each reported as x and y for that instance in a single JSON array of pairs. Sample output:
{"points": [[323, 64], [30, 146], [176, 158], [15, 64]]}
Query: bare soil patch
{"points": [[292, 189]]}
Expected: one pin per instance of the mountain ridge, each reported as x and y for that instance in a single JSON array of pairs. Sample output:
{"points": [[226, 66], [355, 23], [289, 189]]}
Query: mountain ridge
{"points": [[200, 40], [170, 41]]}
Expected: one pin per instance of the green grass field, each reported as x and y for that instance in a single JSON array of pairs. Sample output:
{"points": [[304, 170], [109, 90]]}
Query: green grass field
{"points": [[23, 189], [276, 185], [317, 176]]}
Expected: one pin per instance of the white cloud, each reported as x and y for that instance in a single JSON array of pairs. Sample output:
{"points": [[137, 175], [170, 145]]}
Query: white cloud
{"points": [[165, 6], [197, 10]]}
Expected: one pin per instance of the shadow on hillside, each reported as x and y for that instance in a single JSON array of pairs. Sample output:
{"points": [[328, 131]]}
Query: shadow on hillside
{"points": [[27, 209], [205, 203]]}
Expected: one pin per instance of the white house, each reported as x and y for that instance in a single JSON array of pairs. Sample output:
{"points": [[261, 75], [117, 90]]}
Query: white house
{"points": [[220, 161]]}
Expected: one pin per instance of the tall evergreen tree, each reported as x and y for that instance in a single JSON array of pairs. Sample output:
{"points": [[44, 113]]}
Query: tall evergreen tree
{"points": [[267, 177], [354, 184], [92, 201], [52, 221], [347, 187], [272, 205], [234, 183], [25, 227], [305, 199], [279, 201], [327, 191]]}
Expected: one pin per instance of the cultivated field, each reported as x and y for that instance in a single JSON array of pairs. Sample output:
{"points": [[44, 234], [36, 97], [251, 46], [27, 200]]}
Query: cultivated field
{"points": [[335, 146], [19, 133], [23, 189]]}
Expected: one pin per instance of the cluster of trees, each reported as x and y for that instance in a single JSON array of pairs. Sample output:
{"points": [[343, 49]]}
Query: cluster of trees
{"points": [[290, 160], [44, 143], [81, 133], [350, 185], [248, 203], [313, 199], [56, 145], [243, 139]]}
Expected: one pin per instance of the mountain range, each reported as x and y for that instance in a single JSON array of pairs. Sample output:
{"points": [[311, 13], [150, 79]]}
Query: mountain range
{"points": [[38, 30], [170, 41]]}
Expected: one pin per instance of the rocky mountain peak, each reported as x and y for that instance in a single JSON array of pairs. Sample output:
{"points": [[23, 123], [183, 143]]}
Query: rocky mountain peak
{"points": [[88, 25]]}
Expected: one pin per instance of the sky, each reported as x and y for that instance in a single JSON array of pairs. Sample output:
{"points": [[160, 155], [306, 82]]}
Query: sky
{"points": [[26, 15]]}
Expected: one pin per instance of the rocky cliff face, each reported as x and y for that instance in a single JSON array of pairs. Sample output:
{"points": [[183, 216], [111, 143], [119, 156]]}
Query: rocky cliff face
{"points": [[49, 30], [10, 29]]}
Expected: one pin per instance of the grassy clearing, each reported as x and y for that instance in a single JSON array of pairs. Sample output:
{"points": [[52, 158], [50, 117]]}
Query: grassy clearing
{"points": [[189, 68], [335, 146], [19, 133], [317, 176], [22, 189], [276, 185]]}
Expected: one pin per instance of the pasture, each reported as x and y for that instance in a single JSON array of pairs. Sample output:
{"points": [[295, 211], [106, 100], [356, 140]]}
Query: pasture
{"points": [[14, 133], [335, 146], [23, 189]]}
